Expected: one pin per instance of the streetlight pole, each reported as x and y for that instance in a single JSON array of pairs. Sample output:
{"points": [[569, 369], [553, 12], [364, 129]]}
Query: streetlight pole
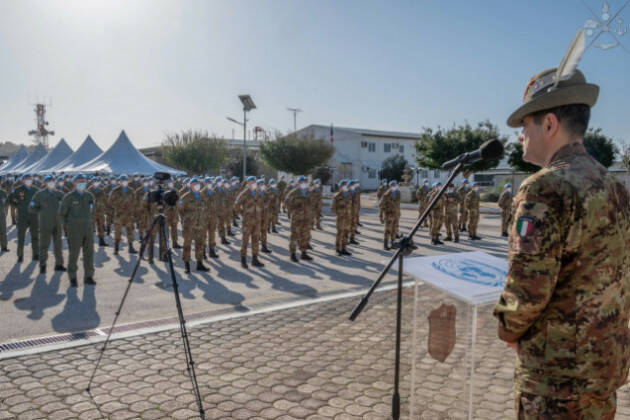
{"points": [[295, 111], [244, 142]]}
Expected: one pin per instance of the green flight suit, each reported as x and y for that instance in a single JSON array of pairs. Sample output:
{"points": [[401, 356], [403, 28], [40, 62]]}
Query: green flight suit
{"points": [[4, 202], [45, 203], [77, 210], [21, 197]]}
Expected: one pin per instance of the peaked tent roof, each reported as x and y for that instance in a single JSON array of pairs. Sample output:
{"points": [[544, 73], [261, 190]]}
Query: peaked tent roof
{"points": [[86, 152], [56, 155], [123, 158], [16, 159], [38, 153]]}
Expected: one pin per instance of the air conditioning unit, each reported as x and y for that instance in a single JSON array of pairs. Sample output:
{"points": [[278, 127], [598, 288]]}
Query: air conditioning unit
{"points": [[363, 144]]}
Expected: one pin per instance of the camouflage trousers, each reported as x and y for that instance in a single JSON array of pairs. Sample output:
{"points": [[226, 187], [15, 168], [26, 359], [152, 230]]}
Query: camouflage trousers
{"points": [[391, 227], [3, 230], [586, 406], [193, 232], [99, 221], [276, 212], [171, 225], [341, 240], [317, 215], [211, 228], [300, 233], [265, 225], [437, 218], [452, 224], [251, 231], [506, 218], [118, 225], [463, 216], [473, 220], [221, 225], [421, 206], [354, 222]]}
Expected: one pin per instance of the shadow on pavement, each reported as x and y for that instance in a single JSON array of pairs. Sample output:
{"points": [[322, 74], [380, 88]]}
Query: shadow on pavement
{"points": [[215, 292], [77, 315], [16, 280], [43, 295]]}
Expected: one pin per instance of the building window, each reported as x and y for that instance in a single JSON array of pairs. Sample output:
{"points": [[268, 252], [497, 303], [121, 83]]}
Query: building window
{"points": [[387, 147], [424, 173], [371, 147], [484, 180], [401, 149], [436, 174], [372, 173]]}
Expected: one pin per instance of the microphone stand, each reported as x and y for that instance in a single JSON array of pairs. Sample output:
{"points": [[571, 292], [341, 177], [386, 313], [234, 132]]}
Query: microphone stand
{"points": [[405, 247]]}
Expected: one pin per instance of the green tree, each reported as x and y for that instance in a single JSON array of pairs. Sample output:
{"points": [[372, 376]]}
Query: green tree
{"points": [[296, 154], [625, 155], [324, 173], [393, 168], [600, 147], [436, 147], [515, 159], [234, 165], [194, 151]]}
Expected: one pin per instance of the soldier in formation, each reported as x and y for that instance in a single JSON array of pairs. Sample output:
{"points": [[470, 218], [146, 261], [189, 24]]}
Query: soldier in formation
{"points": [[451, 202], [437, 214], [249, 204], [355, 199], [45, 205], [122, 201], [4, 204], [505, 203], [382, 187], [267, 214], [299, 203], [100, 194], [463, 212], [472, 209], [423, 199], [21, 197], [390, 206], [193, 212], [276, 195], [341, 206], [318, 197]]}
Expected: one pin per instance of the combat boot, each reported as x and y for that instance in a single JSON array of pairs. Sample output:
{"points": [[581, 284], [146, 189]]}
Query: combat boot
{"points": [[224, 241], [60, 267], [353, 241], [359, 224], [356, 232], [90, 280], [201, 267], [438, 242], [344, 251], [186, 267], [132, 250], [73, 282], [101, 241], [176, 245], [5, 249], [448, 238], [244, 262], [116, 247], [476, 238], [13, 222], [294, 257], [109, 230], [339, 253], [229, 232], [42, 269], [212, 253], [274, 230], [256, 262], [20, 259], [35, 257], [150, 260], [308, 246], [319, 227], [386, 246], [234, 223], [504, 234], [306, 257], [264, 249], [456, 239]]}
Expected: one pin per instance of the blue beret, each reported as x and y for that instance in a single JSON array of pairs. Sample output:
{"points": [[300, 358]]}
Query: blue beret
{"points": [[317, 181], [122, 177], [218, 179], [465, 181], [272, 181], [26, 176], [438, 183], [48, 178], [507, 185], [193, 180], [251, 178], [393, 182], [260, 181], [425, 180], [434, 184], [383, 180], [342, 182], [301, 178], [207, 179], [351, 182], [474, 183], [77, 177]]}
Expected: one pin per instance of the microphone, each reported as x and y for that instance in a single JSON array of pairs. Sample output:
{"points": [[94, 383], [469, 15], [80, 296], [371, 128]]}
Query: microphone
{"points": [[489, 150]]}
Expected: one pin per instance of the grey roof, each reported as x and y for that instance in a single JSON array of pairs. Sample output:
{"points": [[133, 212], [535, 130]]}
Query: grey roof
{"points": [[38, 153], [366, 132], [86, 152], [56, 155], [15, 160]]}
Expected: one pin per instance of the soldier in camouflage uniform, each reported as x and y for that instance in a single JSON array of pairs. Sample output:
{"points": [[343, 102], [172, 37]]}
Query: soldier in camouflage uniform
{"points": [[21, 197], [451, 201], [100, 195], [355, 198], [170, 213], [318, 198], [423, 199], [463, 190], [282, 189], [4, 202], [299, 204], [267, 214], [211, 214], [222, 208], [566, 303], [505, 203], [390, 206], [472, 208], [141, 209], [275, 204], [249, 204], [45, 203], [341, 206], [382, 187], [122, 201], [192, 209], [437, 215]]}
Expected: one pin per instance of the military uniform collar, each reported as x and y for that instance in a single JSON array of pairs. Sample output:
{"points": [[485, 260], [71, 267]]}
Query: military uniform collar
{"points": [[575, 148]]}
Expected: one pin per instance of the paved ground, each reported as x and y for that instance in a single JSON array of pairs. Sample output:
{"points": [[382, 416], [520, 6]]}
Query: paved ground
{"points": [[35, 305]]}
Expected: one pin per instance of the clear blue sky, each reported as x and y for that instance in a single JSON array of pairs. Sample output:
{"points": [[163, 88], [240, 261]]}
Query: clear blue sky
{"points": [[156, 66]]}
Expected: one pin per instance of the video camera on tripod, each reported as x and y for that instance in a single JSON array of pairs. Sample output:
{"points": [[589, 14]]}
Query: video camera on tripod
{"points": [[160, 196]]}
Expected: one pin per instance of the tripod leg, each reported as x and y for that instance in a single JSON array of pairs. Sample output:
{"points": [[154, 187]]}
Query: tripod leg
{"points": [[396, 396], [190, 364], [122, 302]]}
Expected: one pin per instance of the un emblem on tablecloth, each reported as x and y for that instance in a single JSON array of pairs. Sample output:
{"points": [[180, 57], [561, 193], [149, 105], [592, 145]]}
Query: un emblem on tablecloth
{"points": [[471, 271]]}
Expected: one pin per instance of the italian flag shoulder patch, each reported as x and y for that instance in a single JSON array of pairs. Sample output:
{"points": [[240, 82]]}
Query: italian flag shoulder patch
{"points": [[524, 226]]}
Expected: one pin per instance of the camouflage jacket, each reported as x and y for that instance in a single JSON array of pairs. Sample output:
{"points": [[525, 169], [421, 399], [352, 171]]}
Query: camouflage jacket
{"points": [[451, 200], [380, 191], [192, 210], [341, 204], [472, 201], [100, 198], [299, 203], [422, 194], [250, 205], [122, 201], [566, 299], [505, 200], [438, 208], [390, 203]]}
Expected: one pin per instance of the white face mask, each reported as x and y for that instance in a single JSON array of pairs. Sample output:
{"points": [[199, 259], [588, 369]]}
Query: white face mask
{"points": [[303, 185], [81, 186], [344, 188], [146, 184], [28, 182], [97, 184], [196, 187], [263, 188], [475, 189], [252, 187], [171, 185], [394, 188], [450, 190], [60, 184], [51, 185]]}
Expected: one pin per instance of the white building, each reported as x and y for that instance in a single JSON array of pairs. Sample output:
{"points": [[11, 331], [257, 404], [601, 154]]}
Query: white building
{"points": [[359, 153]]}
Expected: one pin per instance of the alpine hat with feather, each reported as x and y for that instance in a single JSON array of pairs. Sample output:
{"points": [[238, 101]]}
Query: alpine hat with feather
{"points": [[563, 85]]}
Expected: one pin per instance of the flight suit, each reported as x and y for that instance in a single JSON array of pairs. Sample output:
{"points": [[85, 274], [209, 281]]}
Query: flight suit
{"points": [[46, 204], [77, 211], [341, 207], [21, 198]]}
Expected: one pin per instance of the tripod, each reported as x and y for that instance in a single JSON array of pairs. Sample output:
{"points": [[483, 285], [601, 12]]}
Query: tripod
{"points": [[190, 364], [405, 247]]}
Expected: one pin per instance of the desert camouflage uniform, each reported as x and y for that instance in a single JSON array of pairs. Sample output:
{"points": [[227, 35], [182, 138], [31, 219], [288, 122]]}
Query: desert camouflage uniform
{"points": [[451, 201], [318, 202], [275, 206], [379, 194], [355, 196], [422, 195], [193, 212], [437, 215], [299, 206], [4, 203], [212, 203], [282, 189], [223, 206], [122, 201], [249, 204], [170, 212], [566, 300], [100, 207], [390, 205], [463, 211], [341, 207], [267, 215], [472, 209], [505, 202]]}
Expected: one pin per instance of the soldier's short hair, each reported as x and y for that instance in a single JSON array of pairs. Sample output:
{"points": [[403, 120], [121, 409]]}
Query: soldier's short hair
{"points": [[574, 117]]}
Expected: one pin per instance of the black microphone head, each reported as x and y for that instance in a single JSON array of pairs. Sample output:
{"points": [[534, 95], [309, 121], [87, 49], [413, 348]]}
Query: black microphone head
{"points": [[491, 149]]}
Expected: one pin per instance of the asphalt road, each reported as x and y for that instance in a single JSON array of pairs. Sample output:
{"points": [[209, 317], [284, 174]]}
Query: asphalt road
{"points": [[33, 305]]}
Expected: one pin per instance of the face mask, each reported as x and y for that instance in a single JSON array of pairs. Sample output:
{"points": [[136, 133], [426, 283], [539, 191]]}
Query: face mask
{"points": [[97, 184], [146, 184], [171, 185], [252, 187], [303, 185], [80, 186], [59, 184], [125, 183], [450, 190], [263, 188], [394, 189], [196, 187], [51, 185], [475, 189], [344, 188], [28, 182]]}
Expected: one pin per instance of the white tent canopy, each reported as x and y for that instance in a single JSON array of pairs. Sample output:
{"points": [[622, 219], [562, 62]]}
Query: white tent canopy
{"points": [[15, 160], [86, 152], [123, 158], [56, 155], [38, 153]]}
